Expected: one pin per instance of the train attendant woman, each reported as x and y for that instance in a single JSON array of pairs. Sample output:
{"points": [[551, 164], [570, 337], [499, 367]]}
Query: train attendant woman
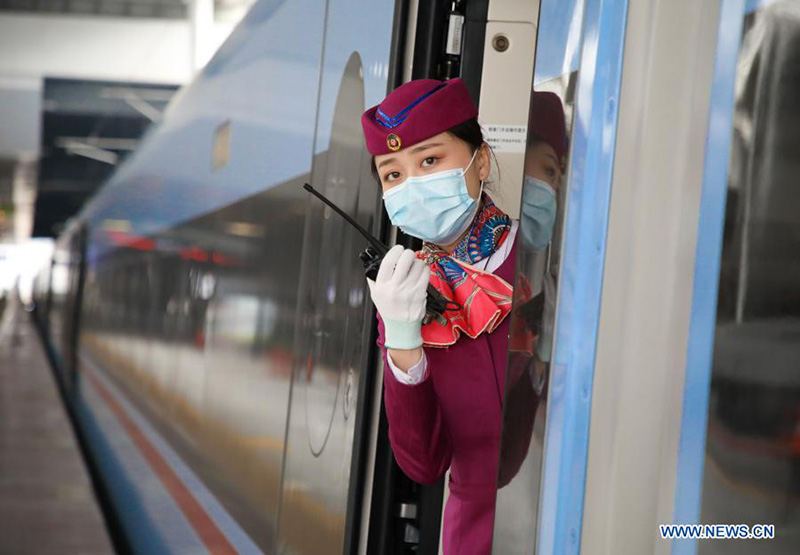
{"points": [[444, 380], [545, 162]]}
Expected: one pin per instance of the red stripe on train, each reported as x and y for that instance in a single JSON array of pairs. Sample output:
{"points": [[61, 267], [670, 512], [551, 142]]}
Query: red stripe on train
{"points": [[211, 536]]}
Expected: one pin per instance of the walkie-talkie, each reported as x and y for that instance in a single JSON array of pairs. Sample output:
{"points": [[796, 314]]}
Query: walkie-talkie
{"points": [[371, 257]]}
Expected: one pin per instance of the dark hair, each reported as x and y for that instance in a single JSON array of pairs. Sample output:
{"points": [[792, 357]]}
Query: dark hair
{"points": [[469, 131]]}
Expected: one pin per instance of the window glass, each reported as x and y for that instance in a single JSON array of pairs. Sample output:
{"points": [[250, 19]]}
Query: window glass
{"points": [[535, 288], [752, 466]]}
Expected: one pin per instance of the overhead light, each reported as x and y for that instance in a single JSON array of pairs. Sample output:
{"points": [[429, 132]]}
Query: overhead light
{"points": [[92, 152], [137, 98], [105, 143], [122, 93]]}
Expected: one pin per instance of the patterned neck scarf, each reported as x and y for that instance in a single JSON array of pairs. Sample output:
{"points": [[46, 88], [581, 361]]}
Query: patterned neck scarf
{"points": [[484, 298]]}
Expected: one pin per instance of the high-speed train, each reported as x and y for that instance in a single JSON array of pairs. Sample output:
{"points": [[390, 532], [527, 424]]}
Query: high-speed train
{"points": [[214, 340]]}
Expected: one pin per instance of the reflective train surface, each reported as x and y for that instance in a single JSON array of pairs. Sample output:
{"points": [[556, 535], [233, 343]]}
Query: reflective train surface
{"points": [[214, 339]]}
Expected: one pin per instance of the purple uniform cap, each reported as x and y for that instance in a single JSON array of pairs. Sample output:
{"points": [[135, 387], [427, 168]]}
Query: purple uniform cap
{"points": [[416, 111], [547, 121]]}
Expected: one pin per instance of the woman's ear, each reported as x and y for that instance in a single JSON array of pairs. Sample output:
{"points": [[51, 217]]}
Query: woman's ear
{"points": [[484, 162]]}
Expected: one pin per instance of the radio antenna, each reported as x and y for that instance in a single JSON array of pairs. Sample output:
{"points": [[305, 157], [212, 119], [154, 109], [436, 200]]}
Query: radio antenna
{"points": [[380, 247]]}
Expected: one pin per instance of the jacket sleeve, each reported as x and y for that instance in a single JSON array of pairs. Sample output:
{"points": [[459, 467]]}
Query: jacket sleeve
{"points": [[417, 432]]}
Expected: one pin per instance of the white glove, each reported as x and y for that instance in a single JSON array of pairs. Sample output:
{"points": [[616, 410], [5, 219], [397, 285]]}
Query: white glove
{"points": [[399, 293]]}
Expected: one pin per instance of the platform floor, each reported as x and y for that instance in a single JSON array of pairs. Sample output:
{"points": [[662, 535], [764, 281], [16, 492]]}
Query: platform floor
{"points": [[47, 505]]}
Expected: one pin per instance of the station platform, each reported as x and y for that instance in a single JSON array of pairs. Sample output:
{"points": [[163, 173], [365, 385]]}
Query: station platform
{"points": [[47, 504]]}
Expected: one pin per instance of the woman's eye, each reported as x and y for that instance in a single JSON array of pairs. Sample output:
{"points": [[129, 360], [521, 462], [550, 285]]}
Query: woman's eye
{"points": [[551, 173], [429, 161], [391, 176]]}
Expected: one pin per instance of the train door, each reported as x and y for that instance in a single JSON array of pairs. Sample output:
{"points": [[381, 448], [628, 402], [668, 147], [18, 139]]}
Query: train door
{"points": [[569, 52], [575, 89], [331, 388], [490, 45]]}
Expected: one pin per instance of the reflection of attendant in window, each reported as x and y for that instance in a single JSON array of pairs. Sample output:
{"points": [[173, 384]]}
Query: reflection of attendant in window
{"points": [[530, 341], [545, 162]]}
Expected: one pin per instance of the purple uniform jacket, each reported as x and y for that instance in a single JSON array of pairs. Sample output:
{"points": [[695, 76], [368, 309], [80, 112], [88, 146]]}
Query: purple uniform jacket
{"points": [[453, 419]]}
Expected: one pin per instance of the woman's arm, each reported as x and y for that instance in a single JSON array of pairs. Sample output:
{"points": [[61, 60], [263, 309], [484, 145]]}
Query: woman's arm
{"points": [[416, 429]]}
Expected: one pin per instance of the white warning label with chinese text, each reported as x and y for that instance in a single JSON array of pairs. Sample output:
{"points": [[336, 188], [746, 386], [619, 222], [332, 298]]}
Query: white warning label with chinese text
{"points": [[506, 138]]}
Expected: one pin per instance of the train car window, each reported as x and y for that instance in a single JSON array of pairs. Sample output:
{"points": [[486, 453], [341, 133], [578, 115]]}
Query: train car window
{"points": [[541, 220], [752, 460]]}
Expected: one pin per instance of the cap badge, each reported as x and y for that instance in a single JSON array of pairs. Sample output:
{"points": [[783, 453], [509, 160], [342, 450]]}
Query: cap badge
{"points": [[393, 142]]}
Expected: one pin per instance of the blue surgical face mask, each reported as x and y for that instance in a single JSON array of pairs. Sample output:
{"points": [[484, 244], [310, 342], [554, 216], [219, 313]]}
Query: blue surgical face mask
{"points": [[436, 207], [538, 213]]}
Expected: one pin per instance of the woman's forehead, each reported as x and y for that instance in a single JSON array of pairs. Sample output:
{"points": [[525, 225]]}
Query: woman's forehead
{"points": [[542, 151], [445, 140]]}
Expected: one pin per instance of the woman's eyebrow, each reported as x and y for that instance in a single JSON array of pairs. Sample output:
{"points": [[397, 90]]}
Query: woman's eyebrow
{"points": [[425, 147], [387, 161], [412, 151], [553, 158]]}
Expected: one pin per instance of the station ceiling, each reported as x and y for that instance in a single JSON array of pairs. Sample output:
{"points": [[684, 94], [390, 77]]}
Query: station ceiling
{"points": [[169, 9], [164, 9], [88, 128]]}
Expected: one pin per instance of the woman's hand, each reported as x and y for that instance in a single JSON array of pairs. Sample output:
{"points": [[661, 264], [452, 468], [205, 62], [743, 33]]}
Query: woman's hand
{"points": [[399, 293]]}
